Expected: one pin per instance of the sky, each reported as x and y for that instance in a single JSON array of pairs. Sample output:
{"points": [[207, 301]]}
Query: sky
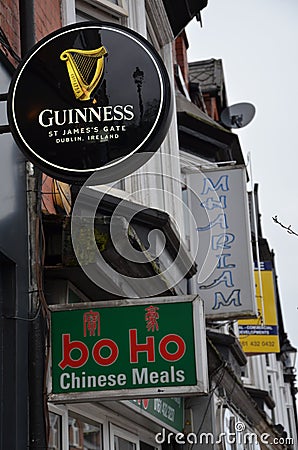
{"points": [[257, 42]]}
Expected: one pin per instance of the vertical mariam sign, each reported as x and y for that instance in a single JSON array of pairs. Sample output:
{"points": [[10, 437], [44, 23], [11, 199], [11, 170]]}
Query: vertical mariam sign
{"points": [[218, 201], [128, 349]]}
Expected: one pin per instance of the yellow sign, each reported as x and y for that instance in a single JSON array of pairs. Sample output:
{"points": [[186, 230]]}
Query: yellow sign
{"points": [[260, 335]]}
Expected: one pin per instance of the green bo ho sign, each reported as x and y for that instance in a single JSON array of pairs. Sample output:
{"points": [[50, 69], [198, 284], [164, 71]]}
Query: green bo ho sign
{"points": [[128, 349]]}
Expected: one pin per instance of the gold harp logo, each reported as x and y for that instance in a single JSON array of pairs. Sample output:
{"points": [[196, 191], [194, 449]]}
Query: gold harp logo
{"points": [[85, 69]]}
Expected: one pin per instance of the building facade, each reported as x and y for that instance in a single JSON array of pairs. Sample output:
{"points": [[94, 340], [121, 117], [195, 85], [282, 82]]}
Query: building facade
{"points": [[153, 211]]}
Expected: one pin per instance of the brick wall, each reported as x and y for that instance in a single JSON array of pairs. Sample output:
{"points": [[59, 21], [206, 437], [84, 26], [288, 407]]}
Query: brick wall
{"points": [[47, 19], [9, 22], [211, 106], [181, 45]]}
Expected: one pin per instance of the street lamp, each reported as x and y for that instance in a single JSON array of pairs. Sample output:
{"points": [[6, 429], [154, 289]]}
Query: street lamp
{"points": [[289, 354], [138, 77]]}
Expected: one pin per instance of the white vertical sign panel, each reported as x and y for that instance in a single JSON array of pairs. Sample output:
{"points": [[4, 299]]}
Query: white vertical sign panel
{"points": [[222, 242]]}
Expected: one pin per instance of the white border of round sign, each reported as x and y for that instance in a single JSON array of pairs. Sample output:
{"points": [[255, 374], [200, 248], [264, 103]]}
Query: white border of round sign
{"points": [[72, 28]]}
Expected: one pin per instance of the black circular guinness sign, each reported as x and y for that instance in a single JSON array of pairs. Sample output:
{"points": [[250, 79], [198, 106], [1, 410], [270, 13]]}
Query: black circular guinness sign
{"points": [[91, 97]]}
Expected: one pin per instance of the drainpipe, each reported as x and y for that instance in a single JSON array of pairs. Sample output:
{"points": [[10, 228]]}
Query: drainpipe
{"points": [[37, 326], [27, 25]]}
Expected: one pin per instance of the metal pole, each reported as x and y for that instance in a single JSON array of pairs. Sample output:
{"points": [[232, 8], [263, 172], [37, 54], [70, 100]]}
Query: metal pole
{"points": [[37, 328]]}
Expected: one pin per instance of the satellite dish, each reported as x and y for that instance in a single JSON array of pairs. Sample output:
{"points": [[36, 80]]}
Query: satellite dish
{"points": [[238, 115]]}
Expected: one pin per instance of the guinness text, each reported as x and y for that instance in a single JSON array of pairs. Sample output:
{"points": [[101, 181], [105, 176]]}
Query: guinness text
{"points": [[48, 117]]}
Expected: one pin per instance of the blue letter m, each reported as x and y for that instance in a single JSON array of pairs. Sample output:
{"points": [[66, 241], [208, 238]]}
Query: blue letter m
{"points": [[222, 184], [220, 300]]}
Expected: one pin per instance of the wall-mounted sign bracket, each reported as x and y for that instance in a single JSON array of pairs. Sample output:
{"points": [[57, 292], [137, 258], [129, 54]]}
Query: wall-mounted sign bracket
{"points": [[4, 128]]}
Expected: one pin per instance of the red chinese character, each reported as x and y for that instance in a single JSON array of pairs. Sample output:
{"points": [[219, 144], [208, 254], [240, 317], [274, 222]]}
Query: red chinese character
{"points": [[151, 317], [91, 322]]}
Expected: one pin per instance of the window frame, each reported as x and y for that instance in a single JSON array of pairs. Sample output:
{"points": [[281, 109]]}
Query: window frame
{"points": [[62, 412], [89, 420], [134, 438], [103, 10], [124, 434], [110, 422]]}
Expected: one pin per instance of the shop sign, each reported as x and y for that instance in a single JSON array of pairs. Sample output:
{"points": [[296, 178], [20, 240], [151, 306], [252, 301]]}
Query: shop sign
{"points": [[128, 349], [261, 335], [90, 97], [167, 412], [218, 201]]}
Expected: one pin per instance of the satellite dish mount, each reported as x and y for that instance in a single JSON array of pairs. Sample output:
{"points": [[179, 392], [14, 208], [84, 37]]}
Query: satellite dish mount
{"points": [[238, 115]]}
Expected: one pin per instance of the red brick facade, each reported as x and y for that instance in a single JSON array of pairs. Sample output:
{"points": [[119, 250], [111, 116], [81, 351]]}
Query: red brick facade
{"points": [[47, 19], [211, 106], [9, 21], [181, 45], [47, 15]]}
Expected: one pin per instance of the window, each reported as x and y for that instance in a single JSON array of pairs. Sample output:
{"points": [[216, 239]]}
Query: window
{"points": [[84, 435], [246, 373], [270, 389], [123, 440], [86, 427], [123, 444], [106, 10], [58, 440], [145, 446], [55, 438]]}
